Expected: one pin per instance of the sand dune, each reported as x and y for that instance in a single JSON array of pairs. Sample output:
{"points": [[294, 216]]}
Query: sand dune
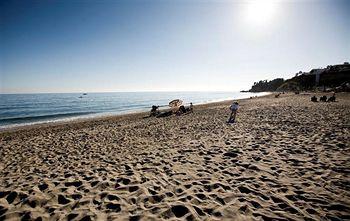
{"points": [[286, 158]]}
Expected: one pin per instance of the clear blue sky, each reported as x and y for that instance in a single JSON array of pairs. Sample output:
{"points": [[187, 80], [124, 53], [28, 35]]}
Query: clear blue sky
{"points": [[96, 46]]}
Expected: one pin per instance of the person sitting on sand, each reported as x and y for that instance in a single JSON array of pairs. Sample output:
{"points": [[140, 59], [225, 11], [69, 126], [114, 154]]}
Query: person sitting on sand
{"points": [[154, 111], [234, 108], [314, 99], [331, 98], [182, 110], [323, 98]]}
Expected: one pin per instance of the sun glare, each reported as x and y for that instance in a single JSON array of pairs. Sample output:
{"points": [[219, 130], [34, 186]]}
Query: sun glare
{"points": [[260, 12]]}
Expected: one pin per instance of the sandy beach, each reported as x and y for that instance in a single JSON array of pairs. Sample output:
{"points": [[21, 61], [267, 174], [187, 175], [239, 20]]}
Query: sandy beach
{"points": [[285, 158]]}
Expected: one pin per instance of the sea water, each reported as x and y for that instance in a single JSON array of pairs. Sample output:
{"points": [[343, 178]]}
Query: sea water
{"points": [[23, 109]]}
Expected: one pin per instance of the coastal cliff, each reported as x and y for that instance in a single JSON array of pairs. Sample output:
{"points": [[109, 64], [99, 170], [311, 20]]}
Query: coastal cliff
{"points": [[333, 77]]}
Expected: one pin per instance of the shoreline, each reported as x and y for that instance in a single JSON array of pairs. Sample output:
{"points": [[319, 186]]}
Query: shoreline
{"points": [[102, 117]]}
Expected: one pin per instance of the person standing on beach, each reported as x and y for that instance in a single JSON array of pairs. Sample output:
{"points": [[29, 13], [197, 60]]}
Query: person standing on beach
{"points": [[234, 108], [191, 107]]}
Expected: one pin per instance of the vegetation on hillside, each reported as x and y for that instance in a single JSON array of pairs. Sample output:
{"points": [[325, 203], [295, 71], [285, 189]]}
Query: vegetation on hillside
{"points": [[331, 77], [266, 85]]}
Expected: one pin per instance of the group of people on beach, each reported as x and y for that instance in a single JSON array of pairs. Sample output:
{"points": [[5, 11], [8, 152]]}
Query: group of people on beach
{"points": [[155, 112], [324, 98]]}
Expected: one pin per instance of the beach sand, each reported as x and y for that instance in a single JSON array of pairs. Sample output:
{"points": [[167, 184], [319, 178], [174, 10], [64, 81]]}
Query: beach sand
{"points": [[285, 158]]}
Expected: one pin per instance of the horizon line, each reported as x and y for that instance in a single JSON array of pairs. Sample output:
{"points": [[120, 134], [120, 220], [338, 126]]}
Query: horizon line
{"points": [[146, 91]]}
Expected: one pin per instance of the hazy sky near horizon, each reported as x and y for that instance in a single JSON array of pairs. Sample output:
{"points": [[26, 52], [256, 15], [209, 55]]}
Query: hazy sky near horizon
{"points": [[97, 46]]}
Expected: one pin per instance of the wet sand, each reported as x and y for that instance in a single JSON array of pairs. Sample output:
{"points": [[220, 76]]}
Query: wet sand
{"points": [[285, 158]]}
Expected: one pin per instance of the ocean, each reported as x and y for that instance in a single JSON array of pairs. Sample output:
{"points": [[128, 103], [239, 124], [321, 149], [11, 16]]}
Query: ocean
{"points": [[24, 109]]}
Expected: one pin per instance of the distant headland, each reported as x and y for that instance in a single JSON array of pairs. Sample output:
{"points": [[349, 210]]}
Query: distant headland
{"points": [[332, 78]]}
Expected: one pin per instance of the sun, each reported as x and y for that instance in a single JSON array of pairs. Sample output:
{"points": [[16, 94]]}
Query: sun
{"points": [[260, 12]]}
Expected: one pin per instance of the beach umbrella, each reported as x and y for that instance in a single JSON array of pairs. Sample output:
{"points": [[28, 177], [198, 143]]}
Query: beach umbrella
{"points": [[175, 103]]}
